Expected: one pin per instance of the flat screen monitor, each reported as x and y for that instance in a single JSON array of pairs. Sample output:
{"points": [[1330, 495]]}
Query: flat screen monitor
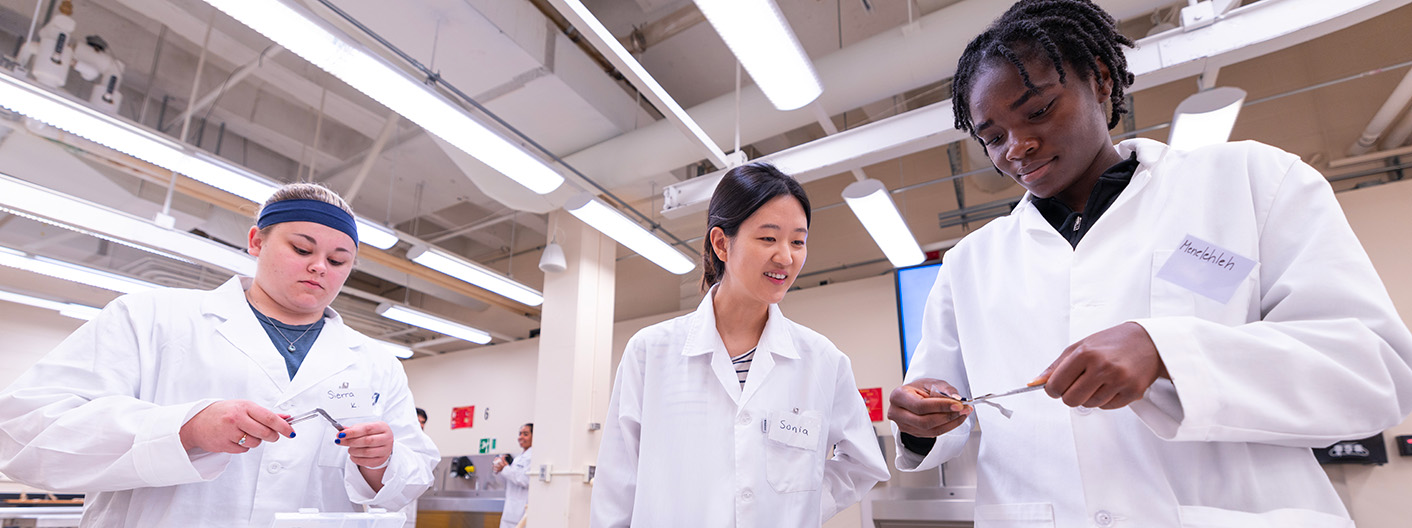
{"points": [[913, 285]]}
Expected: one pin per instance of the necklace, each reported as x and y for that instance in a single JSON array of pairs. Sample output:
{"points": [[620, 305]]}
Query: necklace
{"points": [[270, 322]]}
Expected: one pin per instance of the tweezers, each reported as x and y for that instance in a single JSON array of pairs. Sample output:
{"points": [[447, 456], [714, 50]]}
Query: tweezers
{"points": [[992, 396], [314, 414]]}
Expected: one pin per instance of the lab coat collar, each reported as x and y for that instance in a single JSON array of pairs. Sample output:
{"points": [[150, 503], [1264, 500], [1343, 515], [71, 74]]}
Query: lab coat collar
{"points": [[1149, 154], [703, 337], [331, 352]]}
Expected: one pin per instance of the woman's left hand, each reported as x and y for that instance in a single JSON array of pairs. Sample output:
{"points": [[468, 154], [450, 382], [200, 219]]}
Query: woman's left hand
{"points": [[369, 444]]}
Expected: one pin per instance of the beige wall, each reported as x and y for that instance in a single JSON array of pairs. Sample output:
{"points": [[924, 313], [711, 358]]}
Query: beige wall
{"points": [[1377, 495], [28, 333]]}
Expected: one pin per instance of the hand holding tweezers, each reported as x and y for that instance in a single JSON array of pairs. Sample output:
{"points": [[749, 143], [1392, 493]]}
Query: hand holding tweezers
{"points": [[314, 414]]}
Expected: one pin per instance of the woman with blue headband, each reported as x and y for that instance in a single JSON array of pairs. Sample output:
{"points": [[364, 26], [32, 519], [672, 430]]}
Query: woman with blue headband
{"points": [[183, 407]]}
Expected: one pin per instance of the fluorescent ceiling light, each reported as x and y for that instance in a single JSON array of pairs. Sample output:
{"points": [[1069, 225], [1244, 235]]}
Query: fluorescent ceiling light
{"points": [[1206, 118], [72, 272], [475, 274], [760, 37], [118, 134], [580, 17], [402, 351], [433, 323], [873, 206], [351, 62], [87, 217], [76, 311], [609, 221], [375, 235]]}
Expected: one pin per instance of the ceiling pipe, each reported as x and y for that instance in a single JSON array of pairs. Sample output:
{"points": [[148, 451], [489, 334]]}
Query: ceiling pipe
{"points": [[235, 78], [657, 31], [1384, 117], [1397, 137]]}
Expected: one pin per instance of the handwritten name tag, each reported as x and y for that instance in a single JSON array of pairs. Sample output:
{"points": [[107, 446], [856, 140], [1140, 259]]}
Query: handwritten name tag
{"points": [[799, 430], [345, 402], [1207, 269]]}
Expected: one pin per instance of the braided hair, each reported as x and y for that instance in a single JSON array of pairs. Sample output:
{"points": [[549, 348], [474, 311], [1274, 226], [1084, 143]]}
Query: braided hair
{"points": [[1073, 32]]}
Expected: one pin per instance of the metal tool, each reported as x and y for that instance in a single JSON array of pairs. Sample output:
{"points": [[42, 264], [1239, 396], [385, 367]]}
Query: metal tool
{"points": [[992, 396], [314, 414]]}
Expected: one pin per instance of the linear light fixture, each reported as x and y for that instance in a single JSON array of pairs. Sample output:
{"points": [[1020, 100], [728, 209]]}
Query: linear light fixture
{"points": [[474, 274], [761, 39], [72, 272], [873, 206], [581, 18], [299, 32], [431, 322], [401, 351], [86, 217], [74, 310], [118, 134], [1206, 118], [613, 223]]}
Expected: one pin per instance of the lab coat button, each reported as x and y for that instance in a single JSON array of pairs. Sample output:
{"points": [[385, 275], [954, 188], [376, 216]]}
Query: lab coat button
{"points": [[1103, 518], [747, 495], [275, 467], [1083, 411], [744, 419]]}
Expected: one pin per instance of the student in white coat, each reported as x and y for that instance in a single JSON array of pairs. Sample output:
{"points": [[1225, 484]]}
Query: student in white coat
{"points": [[1201, 318], [169, 408], [726, 416], [517, 478]]}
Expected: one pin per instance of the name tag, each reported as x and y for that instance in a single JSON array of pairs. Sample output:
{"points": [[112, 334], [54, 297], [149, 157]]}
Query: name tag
{"points": [[346, 402], [798, 430], [1207, 269]]}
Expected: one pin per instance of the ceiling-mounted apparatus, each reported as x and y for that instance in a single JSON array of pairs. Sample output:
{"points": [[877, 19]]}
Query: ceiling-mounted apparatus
{"points": [[873, 206], [300, 32], [59, 269], [1206, 118], [123, 136], [74, 310], [474, 274], [434, 323], [761, 39], [613, 223]]}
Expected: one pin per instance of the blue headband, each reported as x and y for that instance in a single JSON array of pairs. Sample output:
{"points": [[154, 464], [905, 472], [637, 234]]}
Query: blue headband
{"points": [[316, 211]]}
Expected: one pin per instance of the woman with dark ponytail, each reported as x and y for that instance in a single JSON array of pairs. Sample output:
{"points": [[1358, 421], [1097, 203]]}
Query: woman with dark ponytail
{"points": [[1178, 306], [726, 416]]}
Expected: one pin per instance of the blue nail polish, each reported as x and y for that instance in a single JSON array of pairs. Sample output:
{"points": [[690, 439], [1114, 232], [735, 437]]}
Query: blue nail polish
{"points": [[291, 435], [341, 435], [338, 441]]}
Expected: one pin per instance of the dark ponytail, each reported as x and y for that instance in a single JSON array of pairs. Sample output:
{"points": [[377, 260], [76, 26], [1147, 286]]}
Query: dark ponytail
{"points": [[742, 191]]}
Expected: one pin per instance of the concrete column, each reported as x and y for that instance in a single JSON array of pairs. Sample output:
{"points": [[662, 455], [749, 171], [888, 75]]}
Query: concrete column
{"points": [[575, 380]]}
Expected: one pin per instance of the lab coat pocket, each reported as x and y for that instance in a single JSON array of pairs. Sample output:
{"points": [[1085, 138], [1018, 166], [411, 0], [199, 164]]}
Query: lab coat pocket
{"points": [[1208, 517], [1020, 515], [794, 459], [1169, 299]]}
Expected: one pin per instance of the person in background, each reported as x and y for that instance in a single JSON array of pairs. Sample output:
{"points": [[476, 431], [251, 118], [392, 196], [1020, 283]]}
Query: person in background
{"points": [[422, 418], [727, 416], [516, 475], [1199, 319], [169, 408]]}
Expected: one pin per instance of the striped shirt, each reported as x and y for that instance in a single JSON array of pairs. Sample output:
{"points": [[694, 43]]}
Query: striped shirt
{"points": [[742, 365]]}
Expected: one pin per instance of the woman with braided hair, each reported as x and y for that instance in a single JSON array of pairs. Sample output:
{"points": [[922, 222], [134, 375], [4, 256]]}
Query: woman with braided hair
{"points": [[1198, 319]]}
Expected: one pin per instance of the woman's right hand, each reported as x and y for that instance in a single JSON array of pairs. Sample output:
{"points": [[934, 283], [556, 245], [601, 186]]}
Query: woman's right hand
{"points": [[499, 463], [221, 426], [927, 408]]}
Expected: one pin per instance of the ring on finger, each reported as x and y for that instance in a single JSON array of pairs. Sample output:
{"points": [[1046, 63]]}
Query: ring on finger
{"points": [[241, 442]]}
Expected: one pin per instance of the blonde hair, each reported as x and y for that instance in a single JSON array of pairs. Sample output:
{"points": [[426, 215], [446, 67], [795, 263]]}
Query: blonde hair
{"points": [[307, 191]]}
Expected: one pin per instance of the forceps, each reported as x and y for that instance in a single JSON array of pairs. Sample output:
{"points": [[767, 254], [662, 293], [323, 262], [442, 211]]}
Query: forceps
{"points": [[986, 399], [314, 414]]}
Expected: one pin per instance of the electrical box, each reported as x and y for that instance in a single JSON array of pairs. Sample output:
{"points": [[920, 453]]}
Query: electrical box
{"points": [[1404, 445]]}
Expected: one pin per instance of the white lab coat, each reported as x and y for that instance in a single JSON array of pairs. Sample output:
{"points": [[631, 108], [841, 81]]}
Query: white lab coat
{"points": [[1308, 351], [517, 481], [102, 412], [683, 442]]}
